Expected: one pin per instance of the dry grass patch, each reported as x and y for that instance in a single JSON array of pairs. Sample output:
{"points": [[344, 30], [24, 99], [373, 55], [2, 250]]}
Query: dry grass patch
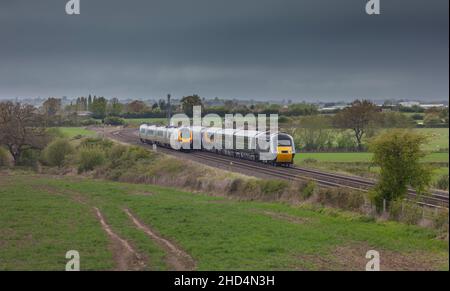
{"points": [[352, 257]]}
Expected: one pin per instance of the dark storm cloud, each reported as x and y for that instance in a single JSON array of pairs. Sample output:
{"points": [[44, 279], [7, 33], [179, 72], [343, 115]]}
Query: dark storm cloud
{"points": [[261, 49]]}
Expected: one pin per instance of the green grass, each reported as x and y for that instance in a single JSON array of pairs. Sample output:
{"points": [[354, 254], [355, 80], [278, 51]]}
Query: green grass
{"points": [[438, 138], [37, 228], [71, 132], [359, 157]]}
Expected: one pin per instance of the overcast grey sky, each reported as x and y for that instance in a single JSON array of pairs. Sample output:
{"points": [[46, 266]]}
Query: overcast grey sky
{"points": [[252, 49]]}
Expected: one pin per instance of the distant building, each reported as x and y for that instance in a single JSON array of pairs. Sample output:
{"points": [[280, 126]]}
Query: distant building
{"points": [[409, 103], [333, 108], [426, 106], [84, 113]]}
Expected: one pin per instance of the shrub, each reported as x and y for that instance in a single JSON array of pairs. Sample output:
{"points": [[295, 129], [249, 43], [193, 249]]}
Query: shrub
{"points": [[341, 198], [236, 185], [405, 211], [4, 158], [96, 142], [114, 120], [398, 154], [395, 210], [116, 152], [412, 213], [273, 186], [440, 220], [89, 158], [308, 190], [56, 152], [29, 158], [55, 132], [442, 183], [89, 121], [138, 153]]}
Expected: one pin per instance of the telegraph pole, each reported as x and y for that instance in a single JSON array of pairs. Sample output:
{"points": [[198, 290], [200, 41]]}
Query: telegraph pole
{"points": [[169, 110]]}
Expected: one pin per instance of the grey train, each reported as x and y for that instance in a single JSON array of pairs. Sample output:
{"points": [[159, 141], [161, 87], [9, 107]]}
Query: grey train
{"points": [[240, 143]]}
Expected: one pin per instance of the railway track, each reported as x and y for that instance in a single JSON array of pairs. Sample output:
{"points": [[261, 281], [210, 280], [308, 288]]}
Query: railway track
{"points": [[435, 199]]}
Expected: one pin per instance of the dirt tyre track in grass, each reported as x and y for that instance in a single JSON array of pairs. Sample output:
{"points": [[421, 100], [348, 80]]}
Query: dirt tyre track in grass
{"points": [[176, 258], [125, 257]]}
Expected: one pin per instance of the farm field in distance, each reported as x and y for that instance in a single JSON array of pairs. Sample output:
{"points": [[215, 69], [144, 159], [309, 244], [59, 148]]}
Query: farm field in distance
{"points": [[359, 157], [49, 215], [359, 163], [71, 132]]}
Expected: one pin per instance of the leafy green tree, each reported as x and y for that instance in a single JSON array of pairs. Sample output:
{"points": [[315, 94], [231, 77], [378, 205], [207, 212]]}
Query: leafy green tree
{"points": [[397, 120], [432, 120], [360, 117], [99, 107], [21, 129], [52, 106], [398, 154], [189, 102], [314, 133], [114, 120], [136, 106], [299, 109], [89, 104], [444, 115], [115, 107], [56, 152]]}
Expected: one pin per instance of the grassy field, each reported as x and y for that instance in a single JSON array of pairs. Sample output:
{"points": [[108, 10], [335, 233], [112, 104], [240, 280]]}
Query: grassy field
{"points": [[359, 157], [438, 138], [43, 217], [71, 132]]}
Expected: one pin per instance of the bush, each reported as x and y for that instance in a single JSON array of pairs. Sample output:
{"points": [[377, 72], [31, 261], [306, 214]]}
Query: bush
{"points": [[341, 198], [89, 158], [55, 132], [412, 213], [114, 120], [273, 186], [117, 152], [56, 152], [236, 185], [96, 142], [89, 121], [405, 211], [29, 158], [440, 220], [398, 154], [308, 190], [4, 158], [442, 183]]}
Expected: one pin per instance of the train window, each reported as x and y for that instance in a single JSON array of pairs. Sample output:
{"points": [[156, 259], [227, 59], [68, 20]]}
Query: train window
{"points": [[185, 133], [284, 142]]}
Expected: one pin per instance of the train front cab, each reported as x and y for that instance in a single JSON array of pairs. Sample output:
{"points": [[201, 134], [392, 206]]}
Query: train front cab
{"points": [[185, 137], [285, 150]]}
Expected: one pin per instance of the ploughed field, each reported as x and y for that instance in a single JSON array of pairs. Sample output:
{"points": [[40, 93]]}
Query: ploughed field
{"points": [[140, 227]]}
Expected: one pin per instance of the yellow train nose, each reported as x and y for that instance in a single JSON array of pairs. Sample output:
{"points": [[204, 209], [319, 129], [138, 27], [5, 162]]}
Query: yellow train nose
{"points": [[284, 154]]}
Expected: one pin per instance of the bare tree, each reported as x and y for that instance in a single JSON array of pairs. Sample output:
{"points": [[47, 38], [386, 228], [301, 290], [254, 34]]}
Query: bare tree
{"points": [[21, 128], [359, 117]]}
